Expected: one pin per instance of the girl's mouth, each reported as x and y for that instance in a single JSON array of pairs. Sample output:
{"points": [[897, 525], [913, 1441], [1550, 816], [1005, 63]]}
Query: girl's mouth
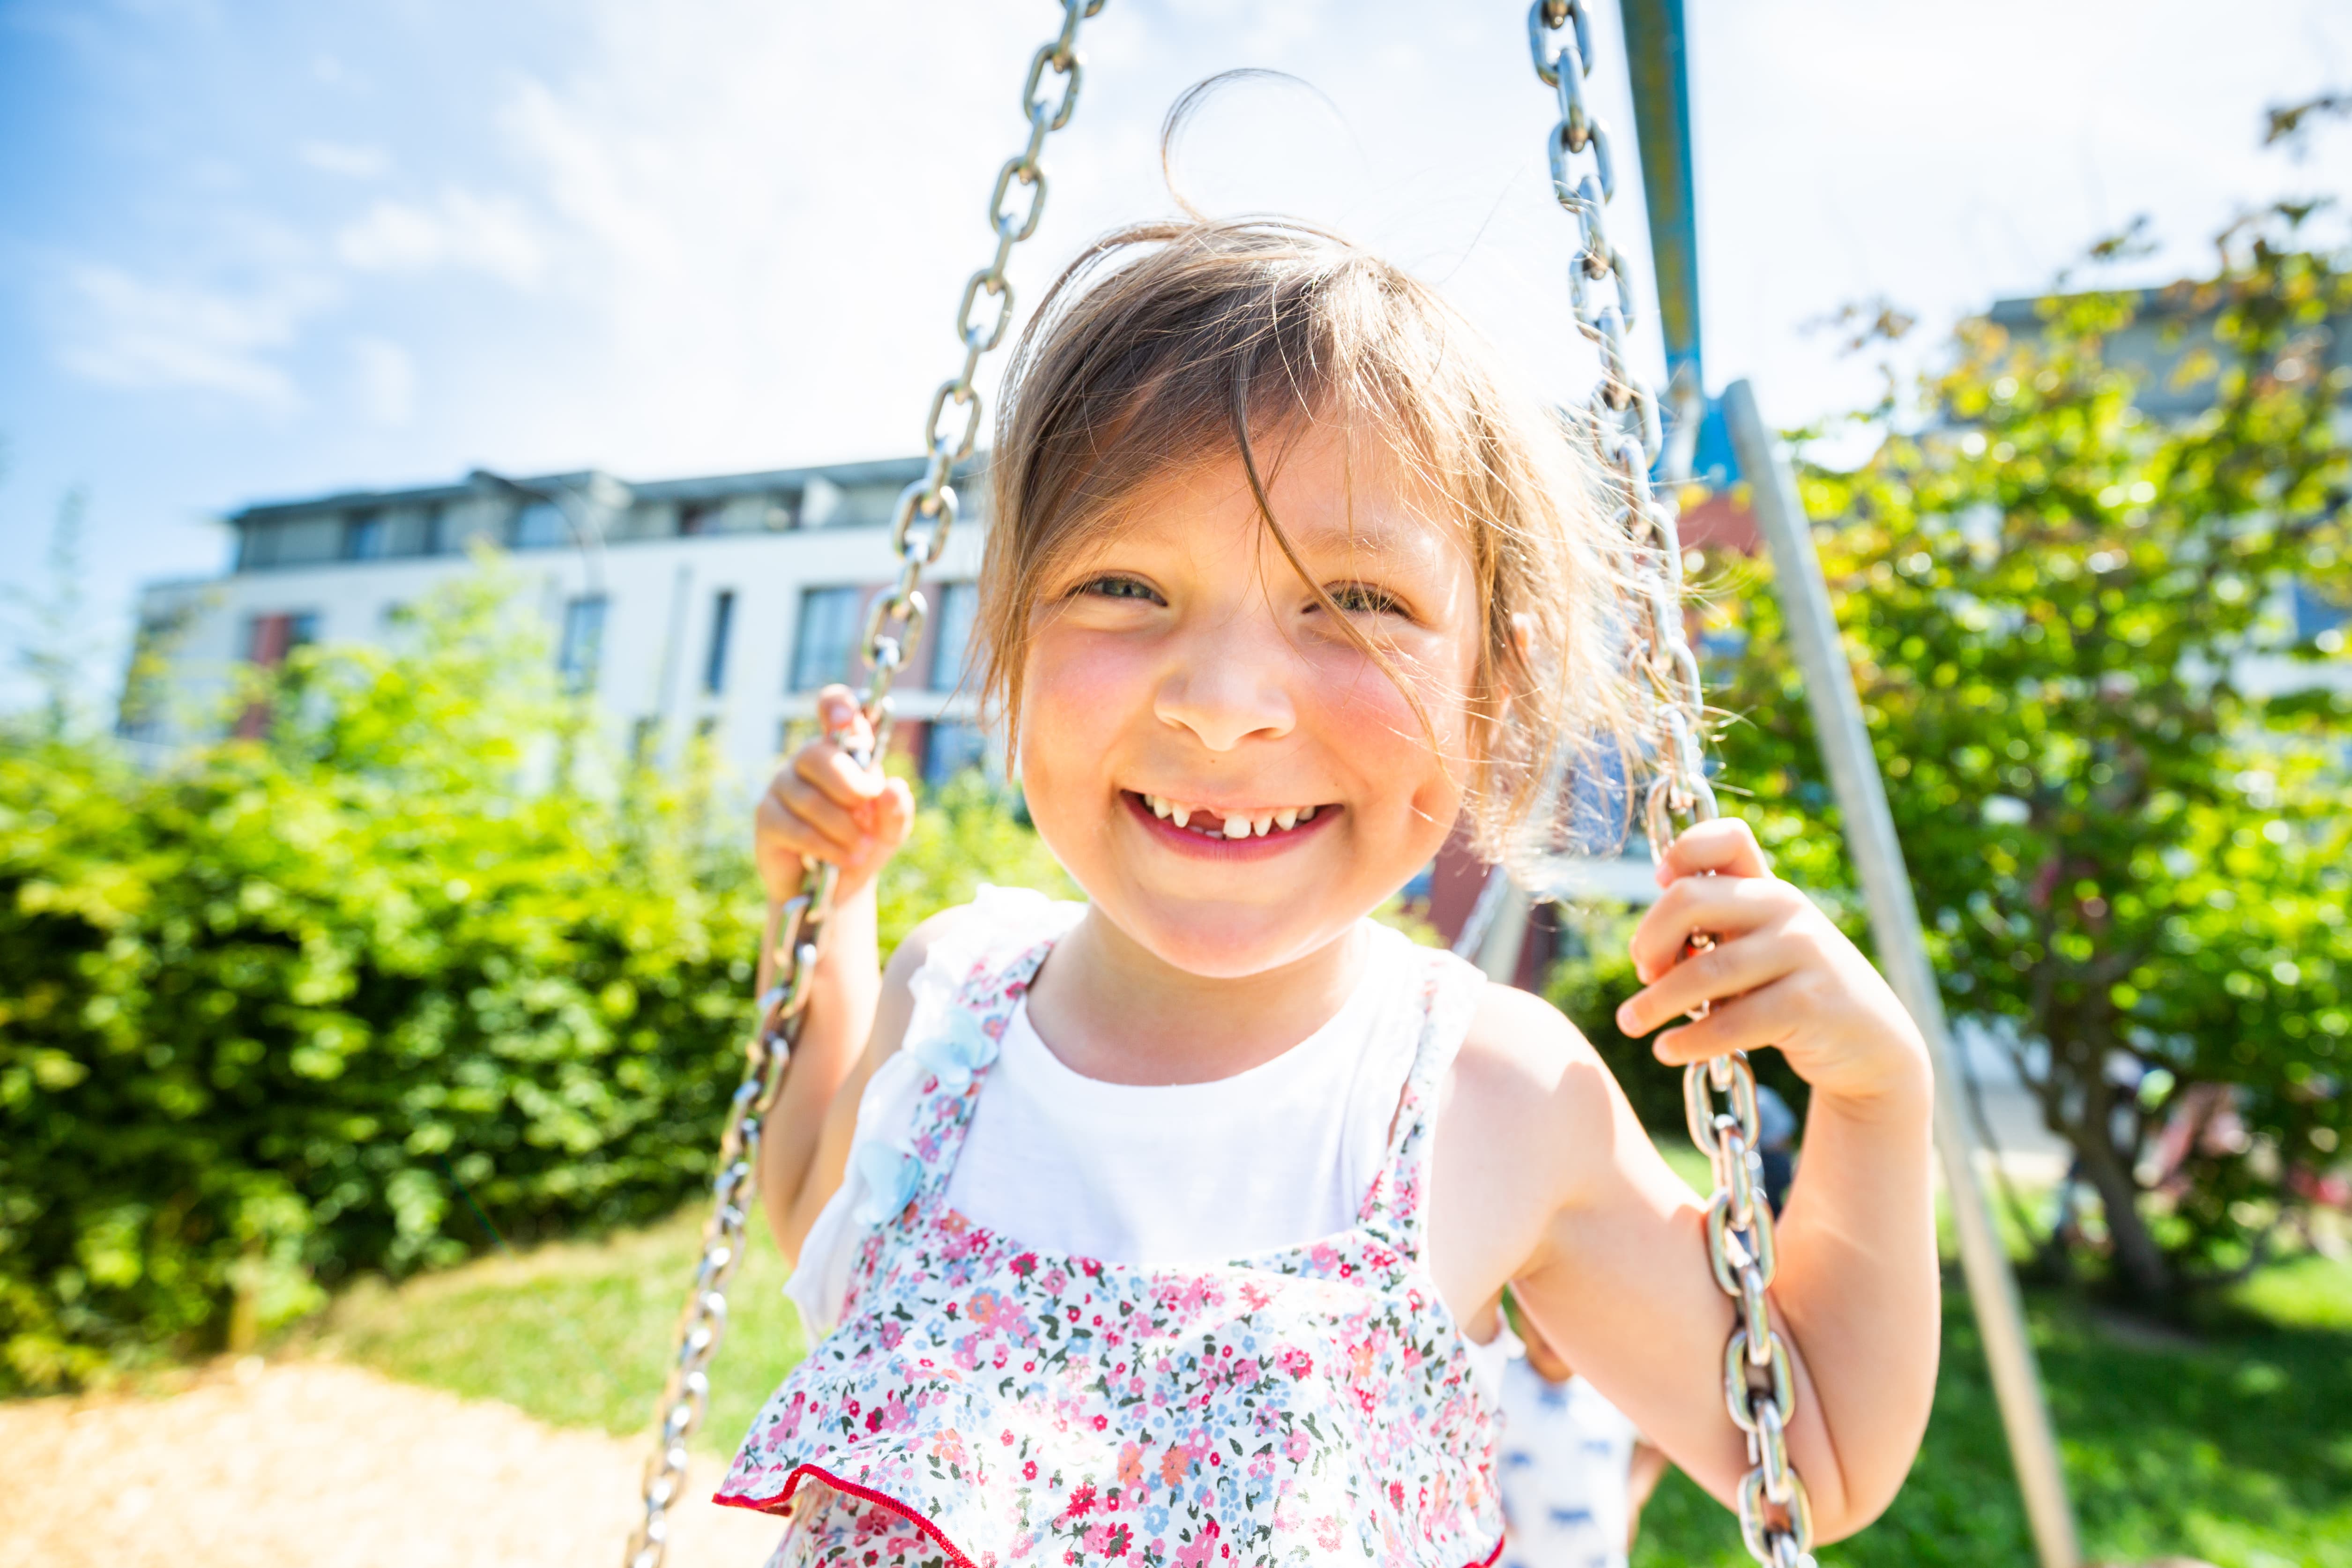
{"points": [[1221, 829]]}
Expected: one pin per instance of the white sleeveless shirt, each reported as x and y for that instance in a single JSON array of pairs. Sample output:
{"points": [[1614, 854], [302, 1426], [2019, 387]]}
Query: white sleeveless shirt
{"points": [[1168, 1175]]}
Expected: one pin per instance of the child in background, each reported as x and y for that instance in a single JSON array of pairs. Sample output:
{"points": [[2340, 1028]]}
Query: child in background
{"points": [[1172, 1227], [1575, 1472]]}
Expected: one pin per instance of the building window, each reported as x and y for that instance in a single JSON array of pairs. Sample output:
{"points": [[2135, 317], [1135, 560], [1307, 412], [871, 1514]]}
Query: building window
{"points": [[364, 537], [826, 642], [951, 634], [540, 525], [269, 638], [257, 546], [951, 748], [698, 518], [583, 642], [433, 537], [723, 622]]}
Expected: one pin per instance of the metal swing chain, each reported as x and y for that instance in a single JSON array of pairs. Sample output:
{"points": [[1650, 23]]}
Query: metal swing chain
{"points": [[926, 511], [1759, 1391]]}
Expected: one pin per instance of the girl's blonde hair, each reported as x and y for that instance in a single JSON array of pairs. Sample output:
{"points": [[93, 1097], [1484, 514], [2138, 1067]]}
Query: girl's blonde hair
{"points": [[1168, 343]]}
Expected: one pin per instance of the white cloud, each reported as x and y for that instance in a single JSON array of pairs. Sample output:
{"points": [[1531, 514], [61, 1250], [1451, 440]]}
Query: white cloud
{"points": [[127, 331], [462, 231], [384, 379], [353, 160]]}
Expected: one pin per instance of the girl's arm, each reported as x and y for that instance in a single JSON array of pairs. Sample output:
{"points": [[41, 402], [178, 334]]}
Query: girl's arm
{"points": [[823, 806], [1615, 1270]]}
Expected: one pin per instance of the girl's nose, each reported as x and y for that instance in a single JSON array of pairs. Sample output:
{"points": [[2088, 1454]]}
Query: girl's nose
{"points": [[1226, 689]]}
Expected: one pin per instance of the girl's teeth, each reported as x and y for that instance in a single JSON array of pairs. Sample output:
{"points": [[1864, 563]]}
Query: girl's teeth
{"points": [[1261, 825], [1180, 815], [1237, 827], [1306, 813], [1285, 818], [1158, 806]]}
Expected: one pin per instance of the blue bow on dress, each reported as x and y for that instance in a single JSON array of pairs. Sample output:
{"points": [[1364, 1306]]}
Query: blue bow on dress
{"points": [[954, 1054]]}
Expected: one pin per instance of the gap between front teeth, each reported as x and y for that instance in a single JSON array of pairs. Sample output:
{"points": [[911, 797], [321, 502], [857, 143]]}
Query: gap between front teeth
{"points": [[1236, 827]]}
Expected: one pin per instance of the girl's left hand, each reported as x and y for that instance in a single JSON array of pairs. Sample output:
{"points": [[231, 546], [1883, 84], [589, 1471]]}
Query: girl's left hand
{"points": [[1779, 974]]}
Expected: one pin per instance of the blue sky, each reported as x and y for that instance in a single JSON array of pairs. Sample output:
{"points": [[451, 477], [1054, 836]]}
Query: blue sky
{"points": [[267, 249]]}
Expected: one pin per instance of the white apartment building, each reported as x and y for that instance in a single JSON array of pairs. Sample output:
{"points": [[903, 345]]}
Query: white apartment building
{"points": [[710, 606]]}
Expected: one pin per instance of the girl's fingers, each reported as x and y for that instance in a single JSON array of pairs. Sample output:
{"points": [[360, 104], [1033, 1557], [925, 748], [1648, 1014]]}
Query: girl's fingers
{"points": [[1724, 906], [832, 770], [894, 811], [1762, 1017], [1725, 846], [1727, 969], [843, 720], [817, 824]]}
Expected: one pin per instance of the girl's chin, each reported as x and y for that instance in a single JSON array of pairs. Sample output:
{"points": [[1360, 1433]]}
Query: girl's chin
{"points": [[1220, 940]]}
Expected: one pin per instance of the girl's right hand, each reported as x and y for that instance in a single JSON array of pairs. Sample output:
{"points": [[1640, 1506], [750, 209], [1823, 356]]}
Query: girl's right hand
{"points": [[824, 806]]}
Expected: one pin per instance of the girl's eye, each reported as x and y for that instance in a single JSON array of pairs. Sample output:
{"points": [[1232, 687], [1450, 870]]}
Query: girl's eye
{"points": [[1363, 599], [1117, 586]]}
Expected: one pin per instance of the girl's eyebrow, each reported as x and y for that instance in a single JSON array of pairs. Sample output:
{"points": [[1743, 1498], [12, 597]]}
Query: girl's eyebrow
{"points": [[1407, 536]]}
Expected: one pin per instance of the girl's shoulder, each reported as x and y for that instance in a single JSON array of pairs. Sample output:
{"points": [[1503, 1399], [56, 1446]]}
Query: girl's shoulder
{"points": [[1002, 927], [1529, 1081]]}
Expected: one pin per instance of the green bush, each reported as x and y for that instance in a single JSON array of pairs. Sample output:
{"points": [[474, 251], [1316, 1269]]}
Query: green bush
{"points": [[370, 995]]}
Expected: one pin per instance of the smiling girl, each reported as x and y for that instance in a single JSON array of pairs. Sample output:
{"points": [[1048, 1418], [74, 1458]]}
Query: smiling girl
{"points": [[1170, 1227]]}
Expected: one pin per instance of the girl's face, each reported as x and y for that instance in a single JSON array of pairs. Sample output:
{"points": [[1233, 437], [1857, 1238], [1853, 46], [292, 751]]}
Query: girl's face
{"points": [[1232, 779]]}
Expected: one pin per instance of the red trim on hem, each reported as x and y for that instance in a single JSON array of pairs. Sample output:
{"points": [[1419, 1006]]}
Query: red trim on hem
{"points": [[938, 1537], [777, 1503]]}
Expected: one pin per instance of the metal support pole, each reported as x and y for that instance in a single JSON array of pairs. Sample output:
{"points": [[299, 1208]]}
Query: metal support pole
{"points": [[1902, 956], [1507, 930]]}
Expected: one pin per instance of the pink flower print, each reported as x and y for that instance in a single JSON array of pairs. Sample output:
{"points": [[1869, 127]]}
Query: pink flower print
{"points": [[1322, 1256], [1108, 1540], [1200, 1550], [1255, 1297], [892, 1332], [1294, 1446], [1294, 1360], [1025, 1264], [1082, 1501], [1396, 1496], [993, 1313], [1326, 1534]]}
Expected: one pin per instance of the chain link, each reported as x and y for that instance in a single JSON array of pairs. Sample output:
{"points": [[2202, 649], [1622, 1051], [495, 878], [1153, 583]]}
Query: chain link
{"points": [[925, 513], [1758, 1390]]}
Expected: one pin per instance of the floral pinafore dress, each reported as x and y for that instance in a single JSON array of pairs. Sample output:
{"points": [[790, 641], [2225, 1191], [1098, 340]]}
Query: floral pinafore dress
{"points": [[982, 1403]]}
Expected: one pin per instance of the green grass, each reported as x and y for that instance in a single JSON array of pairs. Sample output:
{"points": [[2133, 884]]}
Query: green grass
{"points": [[2234, 1448], [578, 1333]]}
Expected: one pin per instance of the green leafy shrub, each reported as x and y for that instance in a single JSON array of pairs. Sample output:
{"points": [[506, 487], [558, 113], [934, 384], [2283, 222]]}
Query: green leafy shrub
{"points": [[2117, 767], [365, 996]]}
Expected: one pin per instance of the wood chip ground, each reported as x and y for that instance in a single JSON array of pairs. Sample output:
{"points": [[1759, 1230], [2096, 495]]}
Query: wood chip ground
{"points": [[316, 1464]]}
